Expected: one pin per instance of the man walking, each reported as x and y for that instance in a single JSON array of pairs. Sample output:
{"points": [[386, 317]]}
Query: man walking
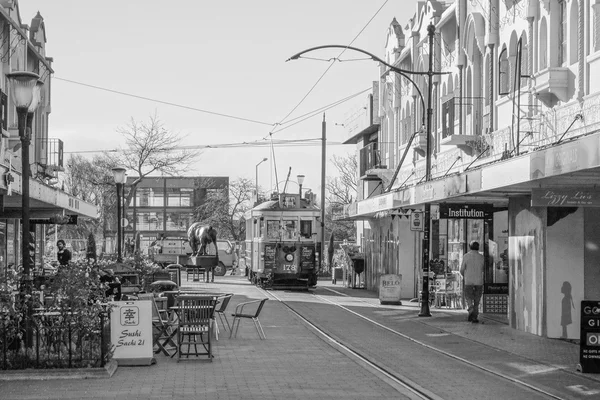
{"points": [[472, 271]]}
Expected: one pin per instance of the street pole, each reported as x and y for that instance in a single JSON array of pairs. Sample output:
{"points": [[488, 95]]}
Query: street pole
{"points": [[323, 164], [119, 254], [425, 312]]}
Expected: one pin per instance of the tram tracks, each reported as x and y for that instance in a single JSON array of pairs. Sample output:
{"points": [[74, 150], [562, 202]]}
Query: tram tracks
{"points": [[395, 379]]}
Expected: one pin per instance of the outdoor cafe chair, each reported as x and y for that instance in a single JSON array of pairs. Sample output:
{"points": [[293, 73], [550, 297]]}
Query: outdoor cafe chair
{"points": [[220, 312], [195, 314], [161, 325], [239, 314]]}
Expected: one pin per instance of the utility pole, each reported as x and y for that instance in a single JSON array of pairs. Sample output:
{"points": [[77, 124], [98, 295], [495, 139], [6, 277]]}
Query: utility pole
{"points": [[323, 161]]}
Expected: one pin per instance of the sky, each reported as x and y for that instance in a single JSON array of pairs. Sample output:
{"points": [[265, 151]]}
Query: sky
{"points": [[224, 57]]}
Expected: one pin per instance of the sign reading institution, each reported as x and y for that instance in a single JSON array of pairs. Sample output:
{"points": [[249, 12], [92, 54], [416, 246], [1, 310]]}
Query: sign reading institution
{"points": [[466, 211]]}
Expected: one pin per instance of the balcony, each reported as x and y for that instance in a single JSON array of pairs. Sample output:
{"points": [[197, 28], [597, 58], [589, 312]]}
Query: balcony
{"points": [[551, 85], [373, 156], [472, 112], [363, 120], [51, 161]]}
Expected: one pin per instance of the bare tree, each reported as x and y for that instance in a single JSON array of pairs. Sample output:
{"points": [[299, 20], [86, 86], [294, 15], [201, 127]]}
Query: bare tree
{"points": [[341, 190], [226, 211], [151, 148]]}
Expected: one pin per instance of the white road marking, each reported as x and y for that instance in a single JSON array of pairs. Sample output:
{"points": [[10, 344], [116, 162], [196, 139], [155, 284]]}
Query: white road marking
{"points": [[532, 368], [584, 390]]}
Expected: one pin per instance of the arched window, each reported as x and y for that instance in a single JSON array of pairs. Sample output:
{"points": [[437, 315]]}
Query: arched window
{"points": [[524, 60], [573, 32], [486, 80], [562, 32], [503, 73], [543, 47]]}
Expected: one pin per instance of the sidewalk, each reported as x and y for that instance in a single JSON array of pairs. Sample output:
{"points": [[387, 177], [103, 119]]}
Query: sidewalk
{"points": [[492, 332]]}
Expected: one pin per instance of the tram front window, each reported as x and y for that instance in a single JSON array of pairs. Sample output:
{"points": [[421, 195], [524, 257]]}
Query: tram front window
{"points": [[306, 229]]}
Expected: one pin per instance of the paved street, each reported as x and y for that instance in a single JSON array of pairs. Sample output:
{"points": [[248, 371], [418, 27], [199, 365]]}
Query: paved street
{"points": [[295, 362]]}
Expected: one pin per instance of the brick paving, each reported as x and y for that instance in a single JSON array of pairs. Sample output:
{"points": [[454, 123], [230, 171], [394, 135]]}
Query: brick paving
{"points": [[293, 362]]}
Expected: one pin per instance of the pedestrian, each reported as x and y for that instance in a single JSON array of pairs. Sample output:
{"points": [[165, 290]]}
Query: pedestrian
{"points": [[472, 272], [63, 255]]}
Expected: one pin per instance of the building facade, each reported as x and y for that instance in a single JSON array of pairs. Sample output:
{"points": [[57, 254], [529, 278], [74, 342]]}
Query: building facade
{"points": [[22, 48], [163, 207], [515, 155]]}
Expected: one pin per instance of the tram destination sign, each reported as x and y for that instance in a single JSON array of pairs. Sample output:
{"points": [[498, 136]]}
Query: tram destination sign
{"points": [[565, 198], [466, 211]]}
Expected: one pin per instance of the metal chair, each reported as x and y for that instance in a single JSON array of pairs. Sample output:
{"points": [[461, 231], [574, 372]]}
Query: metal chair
{"points": [[220, 311], [239, 314], [195, 316]]}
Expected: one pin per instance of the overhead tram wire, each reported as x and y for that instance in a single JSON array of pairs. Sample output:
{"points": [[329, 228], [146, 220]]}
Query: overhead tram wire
{"points": [[165, 102], [329, 67]]}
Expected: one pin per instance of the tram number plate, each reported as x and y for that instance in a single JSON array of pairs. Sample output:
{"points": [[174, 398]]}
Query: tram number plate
{"points": [[289, 268]]}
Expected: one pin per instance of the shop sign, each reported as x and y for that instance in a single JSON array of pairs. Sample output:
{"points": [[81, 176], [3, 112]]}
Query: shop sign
{"points": [[466, 211], [429, 191], [455, 184], [390, 289], [131, 332], [379, 203], [495, 288], [589, 343], [565, 198], [582, 154], [416, 221]]}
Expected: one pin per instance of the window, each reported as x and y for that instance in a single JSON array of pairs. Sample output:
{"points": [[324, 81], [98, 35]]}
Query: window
{"points": [[177, 221], [562, 33], [306, 229], [179, 197], [149, 197], [503, 73], [149, 221], [3, 110]]}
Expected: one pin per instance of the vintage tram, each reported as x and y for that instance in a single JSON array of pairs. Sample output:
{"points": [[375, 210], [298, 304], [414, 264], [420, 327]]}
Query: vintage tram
{"points": [[283, 242]]}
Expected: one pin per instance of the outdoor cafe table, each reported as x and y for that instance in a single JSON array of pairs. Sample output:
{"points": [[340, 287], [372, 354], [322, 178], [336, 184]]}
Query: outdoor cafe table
{"points": [[176, 309]]}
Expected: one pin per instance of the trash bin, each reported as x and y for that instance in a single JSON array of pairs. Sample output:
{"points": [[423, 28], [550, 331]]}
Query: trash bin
{"points": [[337, 273]]}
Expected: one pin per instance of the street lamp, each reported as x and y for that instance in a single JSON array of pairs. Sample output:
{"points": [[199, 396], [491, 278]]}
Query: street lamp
{"points": [[119, 175], [425, 312], [256, 176], [300, 179], [25, 90]]}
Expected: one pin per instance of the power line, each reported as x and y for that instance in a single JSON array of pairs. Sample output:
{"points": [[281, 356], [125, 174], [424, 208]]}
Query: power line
{"points": [[327, 70], [164, 102]]}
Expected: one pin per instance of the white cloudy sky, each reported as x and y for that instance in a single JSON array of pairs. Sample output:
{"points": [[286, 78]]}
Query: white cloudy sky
{"points": [[226, 57]]}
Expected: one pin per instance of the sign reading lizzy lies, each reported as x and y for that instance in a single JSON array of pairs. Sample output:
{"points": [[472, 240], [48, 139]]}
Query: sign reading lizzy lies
{"points": [[565, 198]]}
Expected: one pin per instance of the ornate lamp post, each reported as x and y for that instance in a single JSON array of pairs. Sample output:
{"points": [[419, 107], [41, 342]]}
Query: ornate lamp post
{"points": [[25, 90], [256, 176], [425, 312], [119, 175]]}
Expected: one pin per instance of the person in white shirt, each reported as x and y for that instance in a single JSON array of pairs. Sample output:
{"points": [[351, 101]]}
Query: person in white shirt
{"points": [[472, 271]]}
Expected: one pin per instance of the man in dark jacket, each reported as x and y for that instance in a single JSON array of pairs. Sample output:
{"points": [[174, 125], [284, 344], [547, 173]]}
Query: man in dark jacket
{"points": [[63, 255]]}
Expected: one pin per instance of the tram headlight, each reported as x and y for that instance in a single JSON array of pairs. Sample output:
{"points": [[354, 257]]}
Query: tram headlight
{"points": [[289, 257]]}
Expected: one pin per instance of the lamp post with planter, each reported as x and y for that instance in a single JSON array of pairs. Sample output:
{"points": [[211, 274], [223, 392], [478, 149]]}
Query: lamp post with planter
{"points": [[119, 175], [25, 91]]}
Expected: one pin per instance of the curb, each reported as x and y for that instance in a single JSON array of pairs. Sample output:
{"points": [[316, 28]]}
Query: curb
{"points": [[62, 373]]}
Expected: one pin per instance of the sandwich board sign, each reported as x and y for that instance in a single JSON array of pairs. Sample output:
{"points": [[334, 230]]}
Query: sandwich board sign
{"points": [[131, 332]]}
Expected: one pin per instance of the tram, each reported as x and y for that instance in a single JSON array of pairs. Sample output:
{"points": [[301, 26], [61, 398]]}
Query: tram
{"points": [[283, 244]]}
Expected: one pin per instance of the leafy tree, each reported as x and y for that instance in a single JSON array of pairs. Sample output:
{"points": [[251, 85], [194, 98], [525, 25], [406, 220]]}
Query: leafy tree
{"points": [[225, 211]]}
